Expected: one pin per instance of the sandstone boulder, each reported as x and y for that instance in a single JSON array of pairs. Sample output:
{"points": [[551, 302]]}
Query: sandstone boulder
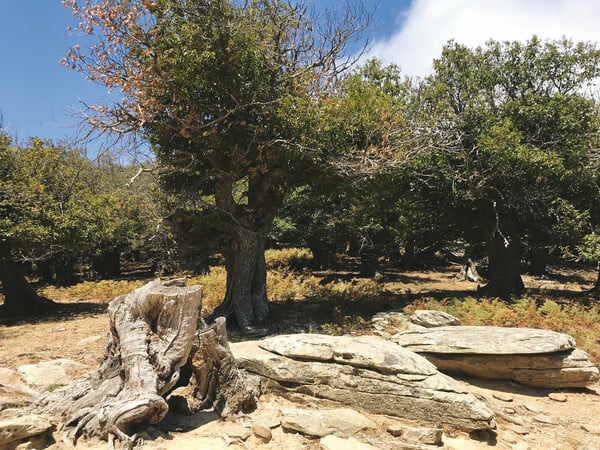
{"points": [[532, 357], [365, 372]]}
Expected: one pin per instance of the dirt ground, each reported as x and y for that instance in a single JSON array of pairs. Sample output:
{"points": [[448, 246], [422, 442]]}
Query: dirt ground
{"points": [[527, 418]]}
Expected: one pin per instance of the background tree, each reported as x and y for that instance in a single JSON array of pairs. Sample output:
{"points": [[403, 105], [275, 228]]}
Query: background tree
{"points": [[518, 165], [349, 206], [17, 222], [226, 93], [60, 213]]}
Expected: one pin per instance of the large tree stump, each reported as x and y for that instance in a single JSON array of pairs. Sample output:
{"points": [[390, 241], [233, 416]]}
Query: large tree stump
{"points": [[154, 331]]}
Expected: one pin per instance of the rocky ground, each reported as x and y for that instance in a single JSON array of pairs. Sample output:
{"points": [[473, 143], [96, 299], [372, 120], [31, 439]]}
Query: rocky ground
{"points": [[527, 418]]}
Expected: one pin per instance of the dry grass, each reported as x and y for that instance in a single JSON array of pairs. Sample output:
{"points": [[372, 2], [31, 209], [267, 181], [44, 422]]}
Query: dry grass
{"points": [[340, 303]]}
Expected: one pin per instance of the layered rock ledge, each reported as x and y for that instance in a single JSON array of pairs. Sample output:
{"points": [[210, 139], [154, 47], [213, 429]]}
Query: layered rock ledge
{"points": [[533, 357], [368, 372]]}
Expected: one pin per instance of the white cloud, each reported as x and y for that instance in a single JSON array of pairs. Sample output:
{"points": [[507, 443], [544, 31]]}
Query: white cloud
{"points": [[429, 24]]}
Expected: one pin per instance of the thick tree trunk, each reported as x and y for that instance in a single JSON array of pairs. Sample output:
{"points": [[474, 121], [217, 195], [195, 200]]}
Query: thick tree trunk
{"points": [[107, 265], [538, 260], [246, 295], [596, 289], [504, 271], [154, 333], [64, 269], [323, 255], [19, 297]]}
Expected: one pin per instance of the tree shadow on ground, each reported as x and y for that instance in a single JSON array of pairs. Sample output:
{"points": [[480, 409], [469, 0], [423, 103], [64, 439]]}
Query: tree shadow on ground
{"points": [[57, 312]]}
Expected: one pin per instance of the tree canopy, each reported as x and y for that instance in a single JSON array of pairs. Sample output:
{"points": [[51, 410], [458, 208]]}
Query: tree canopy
{"points": [[517, 170]]}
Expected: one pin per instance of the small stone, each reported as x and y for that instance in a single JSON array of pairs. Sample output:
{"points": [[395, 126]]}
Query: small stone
{"points": [[268, 418], [557, 397], [427, 436], [342, 422], [236, 431], [533, 407], [262, 432], [519, 429], [544, 418], [509, 410], [503, 396], [591, 429], [431, 318], [509, 439]]}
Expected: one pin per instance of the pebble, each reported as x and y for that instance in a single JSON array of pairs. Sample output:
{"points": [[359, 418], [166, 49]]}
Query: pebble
{"points": [[558, 397], [533, 407], [503, 397], [544, 418], [509, 438], [262, 432], [236, 431], [519, 429]]}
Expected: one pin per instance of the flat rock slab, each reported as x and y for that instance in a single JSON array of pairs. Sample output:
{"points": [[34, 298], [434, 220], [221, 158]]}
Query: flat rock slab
{"points": [[368, 352], [52, 374], [341, 422], [537, 358], [486, 340], [352, 380]]}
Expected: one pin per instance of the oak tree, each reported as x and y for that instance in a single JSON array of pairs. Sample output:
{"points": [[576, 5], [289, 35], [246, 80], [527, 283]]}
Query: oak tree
{"points": [[226, 93]]}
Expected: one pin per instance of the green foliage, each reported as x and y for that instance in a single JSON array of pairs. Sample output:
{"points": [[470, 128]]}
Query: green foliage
{"points": [[518, 123], [56, 205], [352, 203], [589, 249]]}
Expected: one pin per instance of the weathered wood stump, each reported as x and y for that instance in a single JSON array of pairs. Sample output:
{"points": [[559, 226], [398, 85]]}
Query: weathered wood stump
{"points": [[155, 331]]}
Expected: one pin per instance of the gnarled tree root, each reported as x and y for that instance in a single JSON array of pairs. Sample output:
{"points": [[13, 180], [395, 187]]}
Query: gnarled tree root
{"points": [[154, 332]]}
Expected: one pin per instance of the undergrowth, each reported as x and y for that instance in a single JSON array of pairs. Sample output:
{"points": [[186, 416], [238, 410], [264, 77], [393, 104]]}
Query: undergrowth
{"points": [[346, 304], [91, 291]]}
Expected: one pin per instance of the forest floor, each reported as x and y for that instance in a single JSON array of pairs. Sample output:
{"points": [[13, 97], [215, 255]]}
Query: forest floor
{"points": [[529, 418]]}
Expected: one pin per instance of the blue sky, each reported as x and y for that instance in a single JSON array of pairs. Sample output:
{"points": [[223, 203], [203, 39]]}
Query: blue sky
{"points": [[38, 97]]}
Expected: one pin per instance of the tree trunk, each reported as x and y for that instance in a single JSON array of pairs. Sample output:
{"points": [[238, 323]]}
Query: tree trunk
{"points": [[323, 255], [153, 335], [19, 297], [64, 269], [108, 264], [538, 260], [504, 271], [469, 270], [246, 295], [596, 289]]}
